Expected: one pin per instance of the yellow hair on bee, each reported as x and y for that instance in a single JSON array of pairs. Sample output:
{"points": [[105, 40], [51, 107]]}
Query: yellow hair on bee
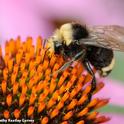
{"points": [[56, 37], [105, 70], [67, 33]]}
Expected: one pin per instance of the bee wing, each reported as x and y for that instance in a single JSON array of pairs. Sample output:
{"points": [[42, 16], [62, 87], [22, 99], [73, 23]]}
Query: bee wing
{"points": [[111, 37]]}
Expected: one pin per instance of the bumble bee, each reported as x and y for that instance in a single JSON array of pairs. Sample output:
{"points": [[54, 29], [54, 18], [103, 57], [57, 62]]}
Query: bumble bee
{"points": [[91, 45]]}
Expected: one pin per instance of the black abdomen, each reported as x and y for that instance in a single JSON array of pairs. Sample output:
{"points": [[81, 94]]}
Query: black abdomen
{"points": [[100, 57]]}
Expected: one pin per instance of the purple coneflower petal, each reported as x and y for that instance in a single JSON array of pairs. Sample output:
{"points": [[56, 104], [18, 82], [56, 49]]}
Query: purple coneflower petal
{"points": [[114, 90]]}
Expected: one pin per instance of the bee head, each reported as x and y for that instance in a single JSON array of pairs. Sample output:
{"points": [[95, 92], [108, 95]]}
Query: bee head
{"points": [[73, 32], [58, 47]]}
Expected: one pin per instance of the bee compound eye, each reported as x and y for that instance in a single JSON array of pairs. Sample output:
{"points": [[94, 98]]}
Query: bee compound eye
{"points": [[58, 47]]}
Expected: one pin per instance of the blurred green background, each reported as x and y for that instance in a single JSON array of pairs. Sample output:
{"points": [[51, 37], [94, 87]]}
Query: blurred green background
{"points": [[118, 71]]}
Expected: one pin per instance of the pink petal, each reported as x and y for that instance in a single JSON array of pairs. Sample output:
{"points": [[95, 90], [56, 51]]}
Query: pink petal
{"points": [[115, 119], [113, 90], [91, 11], [21, 18]]}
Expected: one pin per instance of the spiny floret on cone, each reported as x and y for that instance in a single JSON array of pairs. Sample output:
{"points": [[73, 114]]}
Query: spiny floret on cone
{"points": [[28, 91]]}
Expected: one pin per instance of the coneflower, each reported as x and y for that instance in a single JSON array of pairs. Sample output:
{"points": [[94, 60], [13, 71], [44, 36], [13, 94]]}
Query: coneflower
{"points": [[28, 91]]}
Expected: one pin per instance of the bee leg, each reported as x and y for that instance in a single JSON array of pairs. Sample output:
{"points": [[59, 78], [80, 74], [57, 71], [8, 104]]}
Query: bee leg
{"points": [[78, 56], [89, 69], [93, 82], [93, 85], [65, 66]]}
